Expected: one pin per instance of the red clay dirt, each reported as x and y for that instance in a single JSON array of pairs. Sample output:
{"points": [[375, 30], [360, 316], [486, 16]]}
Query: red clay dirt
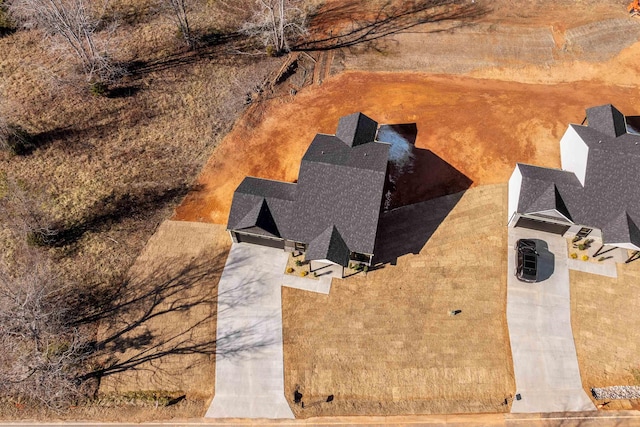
{"points": [[480, 127]]}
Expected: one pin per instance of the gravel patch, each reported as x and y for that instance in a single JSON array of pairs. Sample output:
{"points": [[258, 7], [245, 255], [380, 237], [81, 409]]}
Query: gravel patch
{"points": [[616, 392]]}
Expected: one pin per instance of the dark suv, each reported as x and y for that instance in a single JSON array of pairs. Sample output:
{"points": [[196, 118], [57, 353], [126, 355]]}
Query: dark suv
{"points": [[526, 261]]}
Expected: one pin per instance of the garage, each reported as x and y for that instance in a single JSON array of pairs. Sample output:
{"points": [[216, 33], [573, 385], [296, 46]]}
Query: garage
{"points": [[260, 240], [547, 227]]}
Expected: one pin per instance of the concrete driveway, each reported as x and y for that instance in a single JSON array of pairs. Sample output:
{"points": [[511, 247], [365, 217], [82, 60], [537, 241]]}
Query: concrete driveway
{"points": [[249, 355], [542, 346]]}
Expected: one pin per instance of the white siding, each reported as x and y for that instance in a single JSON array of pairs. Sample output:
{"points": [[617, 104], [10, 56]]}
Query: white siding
{"points": [[515, 183], [596, 233], [552, 213], [625, 245], [574, 153]]}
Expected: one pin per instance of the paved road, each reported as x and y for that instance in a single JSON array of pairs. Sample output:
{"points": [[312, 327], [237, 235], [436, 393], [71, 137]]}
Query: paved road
{"points": [[538, 315], [597, 419]]}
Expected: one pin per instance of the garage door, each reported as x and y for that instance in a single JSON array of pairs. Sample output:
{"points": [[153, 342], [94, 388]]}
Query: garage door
{"points": [[547, 227], [258, 240]]}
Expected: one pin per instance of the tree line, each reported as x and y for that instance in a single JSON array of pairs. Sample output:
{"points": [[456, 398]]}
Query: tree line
{"points": [[74, 24]]}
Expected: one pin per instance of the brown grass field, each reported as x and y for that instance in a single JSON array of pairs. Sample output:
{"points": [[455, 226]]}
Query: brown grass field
{"points": [[605, 321], [110, 169], [386, 344], [170, 299]]}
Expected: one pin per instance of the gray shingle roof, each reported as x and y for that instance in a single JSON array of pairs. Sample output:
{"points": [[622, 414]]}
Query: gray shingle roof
{"points": [[260, 216], [262, 205], [544, 196], [622, 229], [329, 245], [606, 119], [339, 186], [356, 129], [610, 198]]}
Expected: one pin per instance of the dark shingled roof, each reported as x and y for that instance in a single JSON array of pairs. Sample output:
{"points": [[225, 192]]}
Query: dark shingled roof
{"points": [[610, 198], [262, 206], [340, 186], [329, 245], [606, 119], [356, 129], [622, 229], [545, 196]]}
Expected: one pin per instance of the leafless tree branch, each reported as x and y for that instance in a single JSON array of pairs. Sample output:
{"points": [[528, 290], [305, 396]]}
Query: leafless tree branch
{"points": [[276, 23], [180, 9], [72, 22]]}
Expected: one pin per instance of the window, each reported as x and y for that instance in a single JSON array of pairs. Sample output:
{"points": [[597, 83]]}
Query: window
{"points": [[364, 258]]}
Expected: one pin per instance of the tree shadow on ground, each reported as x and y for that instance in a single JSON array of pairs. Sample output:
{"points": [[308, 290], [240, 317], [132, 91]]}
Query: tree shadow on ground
{"points": [[113, 209], [420, 191], [360, 26], [208, 46], [163, 311]]}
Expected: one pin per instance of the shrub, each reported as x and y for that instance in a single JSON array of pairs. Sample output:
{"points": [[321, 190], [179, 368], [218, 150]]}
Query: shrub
{"points": [[574, 255], [298, 263], [6, 25], [289, 270], [582, 246], [585, 257], [36, 239], [304, 273], [15, 140], [98, 88], [271, 51]]}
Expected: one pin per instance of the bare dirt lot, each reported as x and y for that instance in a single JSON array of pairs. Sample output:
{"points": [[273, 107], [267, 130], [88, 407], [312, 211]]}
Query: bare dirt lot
{"points": [[481, 127]]}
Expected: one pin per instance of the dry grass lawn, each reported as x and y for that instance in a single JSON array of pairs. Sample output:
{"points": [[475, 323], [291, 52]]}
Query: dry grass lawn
{"points": [[110, 169], [606, 320], [161, 332], [386, 344]]}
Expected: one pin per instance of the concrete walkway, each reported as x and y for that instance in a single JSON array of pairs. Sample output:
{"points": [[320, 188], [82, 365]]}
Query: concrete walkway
{"points": [[538, 315], [249, 359]]}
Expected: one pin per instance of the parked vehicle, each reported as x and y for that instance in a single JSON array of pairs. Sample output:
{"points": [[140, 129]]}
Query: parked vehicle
{"points": [[526, 261]]}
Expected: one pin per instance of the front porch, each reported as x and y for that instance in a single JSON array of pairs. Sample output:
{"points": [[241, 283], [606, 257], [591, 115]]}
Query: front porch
{"points": [[297, 265], [589, 254]]}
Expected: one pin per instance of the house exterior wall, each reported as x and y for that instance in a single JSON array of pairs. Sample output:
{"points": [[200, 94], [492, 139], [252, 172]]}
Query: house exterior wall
{"points": [[630, 246], [551, 214], [516, 216], [574, 154], [515, 183], [596, 233]]}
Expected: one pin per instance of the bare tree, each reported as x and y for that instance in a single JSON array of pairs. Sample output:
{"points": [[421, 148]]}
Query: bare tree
{"points": [[14, 139], [276, 23], [71, 21], [180, 9], [42, 352], [41, 355], [23, 214]]}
